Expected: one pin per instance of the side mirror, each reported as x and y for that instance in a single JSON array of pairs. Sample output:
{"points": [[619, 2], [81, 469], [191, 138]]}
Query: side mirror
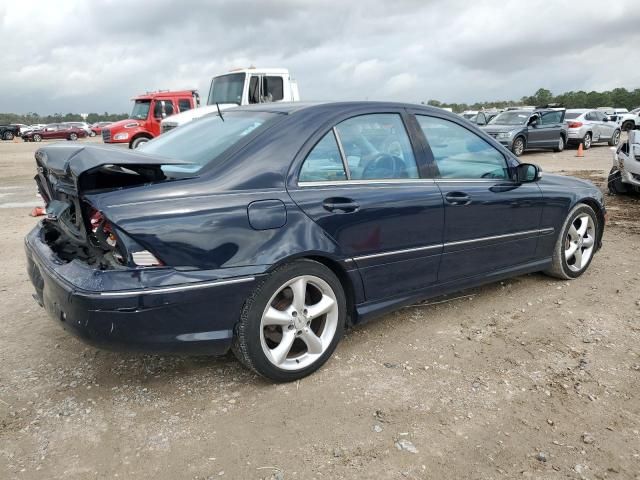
{"points": [[528, 172]]}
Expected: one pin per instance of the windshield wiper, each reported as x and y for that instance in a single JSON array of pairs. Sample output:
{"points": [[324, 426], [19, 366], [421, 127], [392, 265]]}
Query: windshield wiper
{"points": [[219, 112]]}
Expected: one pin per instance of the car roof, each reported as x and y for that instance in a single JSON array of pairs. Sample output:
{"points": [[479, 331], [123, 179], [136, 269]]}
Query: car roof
{"points": [[579, 110], [293, 107]]}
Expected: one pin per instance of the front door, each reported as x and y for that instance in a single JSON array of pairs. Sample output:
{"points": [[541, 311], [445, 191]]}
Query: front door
{"points": [[550, 126], [491, 222], [361, 183]]}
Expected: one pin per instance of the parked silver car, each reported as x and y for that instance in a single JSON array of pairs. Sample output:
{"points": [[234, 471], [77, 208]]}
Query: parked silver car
{"points": [[591, 126]]}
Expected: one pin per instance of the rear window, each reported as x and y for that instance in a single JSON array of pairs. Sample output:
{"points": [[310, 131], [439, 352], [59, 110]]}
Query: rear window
{"points": [[572, 115], [202, 141]]}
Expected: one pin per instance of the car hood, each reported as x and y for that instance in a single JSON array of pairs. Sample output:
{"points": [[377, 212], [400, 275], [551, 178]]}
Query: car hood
{"points": [[122, 123], [185, 117], [497, 128]]}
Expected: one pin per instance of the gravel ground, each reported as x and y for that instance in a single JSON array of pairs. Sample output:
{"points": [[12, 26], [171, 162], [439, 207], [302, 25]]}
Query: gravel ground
{"points": [[527, 378]]}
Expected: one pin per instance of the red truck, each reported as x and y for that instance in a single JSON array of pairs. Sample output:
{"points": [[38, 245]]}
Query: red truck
{"points": [[148, 110]]}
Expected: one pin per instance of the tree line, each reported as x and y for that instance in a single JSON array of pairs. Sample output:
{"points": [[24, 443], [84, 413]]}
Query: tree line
{"points": [[616, 98], [33, 118]]}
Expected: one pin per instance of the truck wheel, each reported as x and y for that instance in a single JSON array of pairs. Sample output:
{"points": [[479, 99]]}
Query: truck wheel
{"points": [[628, 125], [615, 138], [518, 146], [37, 137], [8, 136], [560, 146], [586, 141], [615, 184], [138, 141]]}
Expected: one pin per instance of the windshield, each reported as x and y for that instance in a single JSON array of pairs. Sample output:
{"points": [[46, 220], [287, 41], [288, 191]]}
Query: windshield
{"points": [[202, 141], [226, 89], [141, 109], [572, 115], [635, 111], [510, 118]]}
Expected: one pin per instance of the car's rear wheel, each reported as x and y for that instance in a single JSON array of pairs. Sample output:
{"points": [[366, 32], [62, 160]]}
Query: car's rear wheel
{"points": [[518, 146], [586, 141], [73, 137], [8, 135], [92, 134], [560, 146], [615, 138], [628, 125], [292, 323], [37, 137], [576, 244]]}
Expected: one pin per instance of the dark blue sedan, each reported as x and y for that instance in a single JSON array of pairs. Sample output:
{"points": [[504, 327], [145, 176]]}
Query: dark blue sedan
{"points": [[271, 228]]}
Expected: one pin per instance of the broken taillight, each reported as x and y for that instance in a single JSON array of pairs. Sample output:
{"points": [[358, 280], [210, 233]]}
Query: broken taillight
{"points": [[102, 229]]}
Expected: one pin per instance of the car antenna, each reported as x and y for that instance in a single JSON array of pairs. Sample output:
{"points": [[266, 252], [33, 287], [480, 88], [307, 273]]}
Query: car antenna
{"points": [[219, 112]]}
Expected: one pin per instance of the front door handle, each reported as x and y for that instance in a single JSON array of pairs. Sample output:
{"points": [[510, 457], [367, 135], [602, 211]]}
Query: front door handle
{"points": [[458, 198], [339, 204]]}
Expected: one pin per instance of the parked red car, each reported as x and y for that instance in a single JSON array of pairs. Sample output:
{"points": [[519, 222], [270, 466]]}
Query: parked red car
{"points": [[55, 131], [97, 127]]}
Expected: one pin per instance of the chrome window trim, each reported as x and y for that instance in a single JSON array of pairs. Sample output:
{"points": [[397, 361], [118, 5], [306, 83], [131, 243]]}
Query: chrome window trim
{"points": [[539, 231], [475, 180], [179, 288], [378, 181]]}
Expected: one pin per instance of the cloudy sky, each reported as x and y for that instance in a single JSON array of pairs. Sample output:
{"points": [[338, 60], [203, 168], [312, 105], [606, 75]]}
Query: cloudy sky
{"points": [[93, 56]]}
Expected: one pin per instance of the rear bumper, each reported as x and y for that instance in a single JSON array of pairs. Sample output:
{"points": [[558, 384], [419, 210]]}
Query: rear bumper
{"points": [[195, 317]]}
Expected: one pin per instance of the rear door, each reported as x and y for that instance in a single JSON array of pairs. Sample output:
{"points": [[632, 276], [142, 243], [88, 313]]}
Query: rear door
{"points": [[363, 182], [491, 221]]}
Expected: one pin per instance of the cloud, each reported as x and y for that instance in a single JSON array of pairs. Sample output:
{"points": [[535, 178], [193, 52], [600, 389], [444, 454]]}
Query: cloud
{"points": [[94, 56]]}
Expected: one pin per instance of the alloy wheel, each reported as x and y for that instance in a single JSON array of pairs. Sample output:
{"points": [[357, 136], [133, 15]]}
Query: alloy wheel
{"points": [[299, 322], [587, 141], [579, 242], [616, 137], [518, 147]]}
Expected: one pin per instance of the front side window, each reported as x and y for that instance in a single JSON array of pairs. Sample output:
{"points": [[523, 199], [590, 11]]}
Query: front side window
{"points": [[324, 163], [202, 142], [227, 89], [273, 89], [551, 117], [162, 107], [460, 153]]}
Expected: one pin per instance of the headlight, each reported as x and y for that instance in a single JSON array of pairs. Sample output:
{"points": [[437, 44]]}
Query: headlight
{"points": [[505, 134], [121, 136]]}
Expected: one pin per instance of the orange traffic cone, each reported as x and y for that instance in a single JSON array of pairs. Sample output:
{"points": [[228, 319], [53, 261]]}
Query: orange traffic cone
{"points": [[38, 211], [580, 151]]}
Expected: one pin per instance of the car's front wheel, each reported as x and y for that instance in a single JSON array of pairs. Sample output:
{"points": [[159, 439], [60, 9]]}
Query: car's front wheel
{"points": [[292, 322], [518, 146], [37, 137], [73, 137], [576, 243], [560, 146], [8, 135]]}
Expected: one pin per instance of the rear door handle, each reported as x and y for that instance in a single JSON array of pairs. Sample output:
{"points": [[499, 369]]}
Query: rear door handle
{"points": [[339, 204], [458, 198]]}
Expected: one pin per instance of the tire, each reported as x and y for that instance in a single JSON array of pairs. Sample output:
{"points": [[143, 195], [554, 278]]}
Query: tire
{"points": [[587, 141], [568, 267], [37, 137], [561, 145], [615, 138], [73, 137], [628, 125], [256, 344], [518, 146], [615, 184], [7, 136], [92, 134], [138, 141]]}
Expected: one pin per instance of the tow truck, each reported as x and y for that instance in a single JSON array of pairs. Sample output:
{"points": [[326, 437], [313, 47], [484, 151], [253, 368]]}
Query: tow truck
{"points": [[243, 86], [148, 111]]}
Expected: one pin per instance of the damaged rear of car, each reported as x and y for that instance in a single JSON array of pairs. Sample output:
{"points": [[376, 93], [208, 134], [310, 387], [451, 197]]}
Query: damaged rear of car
{"points": [[112, 260]]}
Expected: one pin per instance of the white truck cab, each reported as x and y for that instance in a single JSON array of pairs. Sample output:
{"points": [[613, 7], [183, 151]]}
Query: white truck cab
{"points": [[244, 86]]}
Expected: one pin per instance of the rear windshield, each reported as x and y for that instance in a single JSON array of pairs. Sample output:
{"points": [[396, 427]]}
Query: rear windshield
{"points": [[572, 115], [202, 141]]}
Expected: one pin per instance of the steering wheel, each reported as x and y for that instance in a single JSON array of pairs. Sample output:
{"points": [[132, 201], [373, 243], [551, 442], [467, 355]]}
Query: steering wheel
{"points": [[383, 166]]}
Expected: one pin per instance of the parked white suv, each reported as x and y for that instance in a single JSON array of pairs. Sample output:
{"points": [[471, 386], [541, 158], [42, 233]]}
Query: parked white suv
{"points": [[240, 87], [628, 120]]}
